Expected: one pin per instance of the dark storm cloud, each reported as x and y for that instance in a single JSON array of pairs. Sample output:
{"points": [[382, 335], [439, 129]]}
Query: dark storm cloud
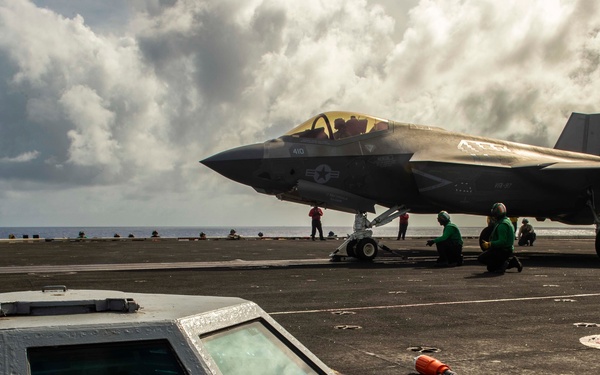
{"points": [[221, 51]]}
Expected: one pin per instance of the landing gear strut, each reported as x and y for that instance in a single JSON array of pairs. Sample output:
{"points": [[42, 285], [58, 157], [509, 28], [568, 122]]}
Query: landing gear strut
{"points": [[597, 243], [360, 244], [592, 207]]}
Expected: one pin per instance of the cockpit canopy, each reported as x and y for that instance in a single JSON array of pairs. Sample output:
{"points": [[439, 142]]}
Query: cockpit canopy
{"points": [[338, 125]]}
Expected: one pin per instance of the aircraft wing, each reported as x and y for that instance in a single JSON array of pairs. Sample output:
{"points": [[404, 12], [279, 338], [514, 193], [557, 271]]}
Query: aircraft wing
{"points": [[467, 153], [466, 184], [434, 156], [491, 160], [573, 166]]}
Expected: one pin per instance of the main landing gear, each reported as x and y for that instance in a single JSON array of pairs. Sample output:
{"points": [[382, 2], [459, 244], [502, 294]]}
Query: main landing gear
{"points": [[592, 207], [360, 244]]}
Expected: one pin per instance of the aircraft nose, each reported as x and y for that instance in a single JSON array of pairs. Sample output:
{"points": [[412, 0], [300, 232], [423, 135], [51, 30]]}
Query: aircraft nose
{"points": [[239, 164]]}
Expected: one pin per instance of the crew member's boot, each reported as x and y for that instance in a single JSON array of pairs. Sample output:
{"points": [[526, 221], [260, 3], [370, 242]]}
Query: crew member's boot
{"points": [[514, 262]]}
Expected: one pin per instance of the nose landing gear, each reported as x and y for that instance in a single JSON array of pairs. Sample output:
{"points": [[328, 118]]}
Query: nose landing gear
{"points": [[360, 243]]}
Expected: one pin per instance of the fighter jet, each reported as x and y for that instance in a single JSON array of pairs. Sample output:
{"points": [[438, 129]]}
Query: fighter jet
{"points": [[351, 162]]}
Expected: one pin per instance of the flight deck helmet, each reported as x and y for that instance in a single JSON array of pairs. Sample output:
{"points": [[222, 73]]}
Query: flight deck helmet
{"points": [[443, 217], [525, 221], [498, 210]]}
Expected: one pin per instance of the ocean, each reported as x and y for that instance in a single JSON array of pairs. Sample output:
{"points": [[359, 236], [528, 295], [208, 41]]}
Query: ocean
{"points": [[268, 231]]}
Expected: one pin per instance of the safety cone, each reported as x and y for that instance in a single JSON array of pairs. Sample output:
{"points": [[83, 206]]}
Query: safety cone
{"points": [[427, 365]]}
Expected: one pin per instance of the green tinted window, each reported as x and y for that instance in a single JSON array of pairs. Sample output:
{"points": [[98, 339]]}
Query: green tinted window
{"points": [[137, 357], [253, 349]]}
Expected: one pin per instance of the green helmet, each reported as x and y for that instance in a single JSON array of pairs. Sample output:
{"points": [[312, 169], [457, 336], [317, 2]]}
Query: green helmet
{"points": [[498, 210], [443, 217]]}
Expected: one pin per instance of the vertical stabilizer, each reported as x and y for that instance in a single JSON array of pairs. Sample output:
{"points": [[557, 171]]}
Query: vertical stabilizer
{"points": [[581, 134]]}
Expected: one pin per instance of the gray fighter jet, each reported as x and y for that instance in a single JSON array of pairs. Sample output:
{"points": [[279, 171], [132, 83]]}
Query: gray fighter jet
{"points": [[351, 162]]}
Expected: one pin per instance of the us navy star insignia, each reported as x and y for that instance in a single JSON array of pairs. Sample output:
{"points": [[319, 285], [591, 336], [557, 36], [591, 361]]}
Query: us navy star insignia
{"points": [[322, 174]]}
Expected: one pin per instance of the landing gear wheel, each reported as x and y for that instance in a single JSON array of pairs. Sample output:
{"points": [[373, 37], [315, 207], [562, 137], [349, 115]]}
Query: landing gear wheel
{"points": [[366, 249], [350, 248], [485, 236]]}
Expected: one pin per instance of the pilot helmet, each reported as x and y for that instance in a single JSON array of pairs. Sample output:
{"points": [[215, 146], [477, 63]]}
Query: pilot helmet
{"points": [[443, 217], [498, 210]]}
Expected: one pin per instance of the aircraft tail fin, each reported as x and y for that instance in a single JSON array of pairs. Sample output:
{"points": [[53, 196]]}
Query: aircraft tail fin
{"points": [[581, 134]]}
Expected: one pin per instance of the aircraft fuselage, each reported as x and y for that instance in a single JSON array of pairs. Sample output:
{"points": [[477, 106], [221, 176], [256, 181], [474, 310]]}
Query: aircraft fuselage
{"points": [[426, 169]]}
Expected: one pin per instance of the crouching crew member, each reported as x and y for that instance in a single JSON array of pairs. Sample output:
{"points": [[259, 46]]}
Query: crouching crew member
{"points": [[449, 244], [498, 252], [526, 234]]}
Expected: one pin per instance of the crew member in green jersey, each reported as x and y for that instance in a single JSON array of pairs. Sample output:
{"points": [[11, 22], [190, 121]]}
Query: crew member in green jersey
{"points": [[498, 253], [449, 244]]}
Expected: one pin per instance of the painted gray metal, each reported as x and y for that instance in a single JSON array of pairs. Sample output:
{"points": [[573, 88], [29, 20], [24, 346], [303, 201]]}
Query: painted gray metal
{"points": [[179, 319]]}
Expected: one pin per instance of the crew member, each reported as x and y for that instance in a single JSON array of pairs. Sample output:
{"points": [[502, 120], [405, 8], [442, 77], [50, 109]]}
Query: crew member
{"points": [[449, 244], [233, 235], [526, 234], [498, 252], [403, 226], [315, 213]]}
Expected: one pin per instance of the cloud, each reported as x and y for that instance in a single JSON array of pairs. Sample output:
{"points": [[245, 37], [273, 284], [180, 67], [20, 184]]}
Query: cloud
{"points": [[124, 100], [24, 157], [91, 141], [505, 69]]}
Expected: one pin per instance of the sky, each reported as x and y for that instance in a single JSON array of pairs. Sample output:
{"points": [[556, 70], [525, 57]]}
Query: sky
{"points": [[107, 107]]}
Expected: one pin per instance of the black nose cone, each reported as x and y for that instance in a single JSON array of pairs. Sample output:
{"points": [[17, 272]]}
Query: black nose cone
{"points": [[239, 164]]}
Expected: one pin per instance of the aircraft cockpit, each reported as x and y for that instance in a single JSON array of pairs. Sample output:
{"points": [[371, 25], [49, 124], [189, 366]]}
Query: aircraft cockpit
{"points": [[338, 125]]}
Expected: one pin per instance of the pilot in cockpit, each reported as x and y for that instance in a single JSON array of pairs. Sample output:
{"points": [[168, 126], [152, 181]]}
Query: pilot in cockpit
{"points": [[340, 127]]}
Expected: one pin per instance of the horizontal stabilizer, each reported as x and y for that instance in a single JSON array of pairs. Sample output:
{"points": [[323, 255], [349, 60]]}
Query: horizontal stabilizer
{"points": [[581, 134]]}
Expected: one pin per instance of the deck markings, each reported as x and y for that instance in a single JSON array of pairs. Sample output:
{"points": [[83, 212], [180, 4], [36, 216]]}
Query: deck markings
{"points": [[437, 304]]}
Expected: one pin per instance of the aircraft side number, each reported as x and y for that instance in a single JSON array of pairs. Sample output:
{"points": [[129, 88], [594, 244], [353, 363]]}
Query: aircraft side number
{"points": [[298, 151]]}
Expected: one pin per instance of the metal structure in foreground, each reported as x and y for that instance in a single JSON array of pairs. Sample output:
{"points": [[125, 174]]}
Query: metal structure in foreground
{"points": [[60, 331]]}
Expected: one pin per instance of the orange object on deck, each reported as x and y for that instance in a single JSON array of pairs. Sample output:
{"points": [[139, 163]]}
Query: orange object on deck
{"points": [[427, 365]]}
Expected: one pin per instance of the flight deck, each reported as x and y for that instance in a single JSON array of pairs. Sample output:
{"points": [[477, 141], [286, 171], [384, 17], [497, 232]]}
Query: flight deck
{"points": [[360, 317]]}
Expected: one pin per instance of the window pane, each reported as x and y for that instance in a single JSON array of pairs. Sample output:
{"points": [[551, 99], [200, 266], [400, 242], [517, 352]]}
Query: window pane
{"points": [[253, 349], [137, 357]]}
